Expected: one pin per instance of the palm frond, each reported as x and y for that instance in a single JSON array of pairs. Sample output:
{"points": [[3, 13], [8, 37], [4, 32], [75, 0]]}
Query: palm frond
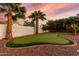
{"points": [[38, 14]]}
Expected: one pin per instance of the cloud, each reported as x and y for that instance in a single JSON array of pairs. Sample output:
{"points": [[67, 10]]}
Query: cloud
{"points": [[53, 9], [67, 8]]}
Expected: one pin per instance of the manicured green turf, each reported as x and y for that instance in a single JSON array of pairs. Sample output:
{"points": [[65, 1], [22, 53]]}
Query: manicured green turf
{"points": [[47, 38]]}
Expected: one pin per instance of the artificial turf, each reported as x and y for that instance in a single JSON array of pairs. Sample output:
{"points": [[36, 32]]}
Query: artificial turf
{"points": [[47, 38]]}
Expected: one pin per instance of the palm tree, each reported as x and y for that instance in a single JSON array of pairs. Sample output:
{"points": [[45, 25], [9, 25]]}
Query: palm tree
{"points": [[36, 15], [13, 11]]}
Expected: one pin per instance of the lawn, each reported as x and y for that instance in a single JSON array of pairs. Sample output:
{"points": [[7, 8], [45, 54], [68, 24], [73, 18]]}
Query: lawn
{"points": [[47, 38]]}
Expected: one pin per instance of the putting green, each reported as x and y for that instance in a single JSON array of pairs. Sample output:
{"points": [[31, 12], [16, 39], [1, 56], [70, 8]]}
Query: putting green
{"points": [[47, 38]]}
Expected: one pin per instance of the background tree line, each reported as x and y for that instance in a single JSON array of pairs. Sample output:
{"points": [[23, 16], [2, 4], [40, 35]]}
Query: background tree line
{"points": [[62, 25]]}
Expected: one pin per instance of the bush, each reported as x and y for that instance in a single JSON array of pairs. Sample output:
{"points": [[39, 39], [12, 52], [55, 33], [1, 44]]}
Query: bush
{"points": [[44, 27]]}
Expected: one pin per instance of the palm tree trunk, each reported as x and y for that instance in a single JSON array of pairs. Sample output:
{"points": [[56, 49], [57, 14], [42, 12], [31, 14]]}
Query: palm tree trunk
{"points": [[9, 25], [36, 26]]}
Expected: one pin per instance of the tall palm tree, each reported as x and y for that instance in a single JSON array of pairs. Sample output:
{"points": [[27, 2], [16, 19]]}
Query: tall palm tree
{"points": [[36, 15], [13, 11]]}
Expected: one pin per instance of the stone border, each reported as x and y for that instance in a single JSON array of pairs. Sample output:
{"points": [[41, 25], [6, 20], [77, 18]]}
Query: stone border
{"points": [[74, 41]]}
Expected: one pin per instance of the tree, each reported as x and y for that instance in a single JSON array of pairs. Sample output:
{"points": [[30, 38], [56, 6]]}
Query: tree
{"points": [[36, 15], [26, 23], [75, 27], [13, 11], [50, 26], [44, 27]]}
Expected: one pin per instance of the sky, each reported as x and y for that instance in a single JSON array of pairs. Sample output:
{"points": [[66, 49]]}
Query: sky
{"points": [[53, 10]]}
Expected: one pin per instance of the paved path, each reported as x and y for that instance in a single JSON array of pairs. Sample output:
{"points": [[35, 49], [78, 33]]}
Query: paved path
{"points": [[42, 50]]}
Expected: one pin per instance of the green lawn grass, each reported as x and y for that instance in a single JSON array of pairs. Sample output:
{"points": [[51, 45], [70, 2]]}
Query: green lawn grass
{"points": [[47, 38]]}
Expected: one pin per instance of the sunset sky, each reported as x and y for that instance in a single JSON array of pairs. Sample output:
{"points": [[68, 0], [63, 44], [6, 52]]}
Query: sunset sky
{"points": [[53, 10]]}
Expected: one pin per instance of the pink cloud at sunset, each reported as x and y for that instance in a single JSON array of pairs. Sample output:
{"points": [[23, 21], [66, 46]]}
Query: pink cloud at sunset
{"points": [[53, 10]]}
